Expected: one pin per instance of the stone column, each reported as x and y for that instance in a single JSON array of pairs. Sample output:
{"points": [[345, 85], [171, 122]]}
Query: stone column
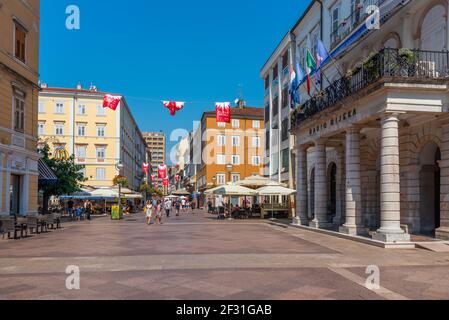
{"points": [[353, 225], [1, 181], [320, 220], [443, 231], [301, 187], [338, 214], [390, 193], [7, 185]]}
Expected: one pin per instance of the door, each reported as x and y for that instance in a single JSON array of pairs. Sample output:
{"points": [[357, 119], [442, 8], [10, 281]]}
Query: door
{"points": [[14, 192]]}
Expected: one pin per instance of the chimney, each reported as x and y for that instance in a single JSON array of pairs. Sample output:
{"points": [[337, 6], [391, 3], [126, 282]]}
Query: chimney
{"points": [[241, 104], [79, 86], [44, 85], [93, 88]]}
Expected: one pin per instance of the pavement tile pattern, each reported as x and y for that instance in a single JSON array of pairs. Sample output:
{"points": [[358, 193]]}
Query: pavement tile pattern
{"points": [[197, 257]]}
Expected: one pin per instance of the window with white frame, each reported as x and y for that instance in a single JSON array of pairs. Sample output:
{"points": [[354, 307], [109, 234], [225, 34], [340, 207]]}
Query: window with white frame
{"points": [[221, 178], [235, 177], [256, 161], [81, 152], [221, 140], [256, 142], [59, 128], [221, 159], [81, 109], [236, 160], [41, 127], [100, 130], [221, 124], [81, 129], [101, 111], [41, 107], [236, 141], [101, 153], [335, 15], [101, 174], [256, 124], [235, 123], [19, 111], [59, 108]]}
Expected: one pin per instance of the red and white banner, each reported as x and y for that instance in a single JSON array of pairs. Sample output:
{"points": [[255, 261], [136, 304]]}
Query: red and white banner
{"points": [[145, 167], [111, 102], [162, 171], [166, 182], [173, 106], [223, 110], [153, 177]]}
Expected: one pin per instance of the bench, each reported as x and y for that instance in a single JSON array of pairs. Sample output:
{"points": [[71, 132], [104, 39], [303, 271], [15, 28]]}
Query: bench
{"points": [[54, 221]]}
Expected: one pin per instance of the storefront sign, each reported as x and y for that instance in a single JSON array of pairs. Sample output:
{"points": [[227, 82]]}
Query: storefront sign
{"points": [[343, 117]]}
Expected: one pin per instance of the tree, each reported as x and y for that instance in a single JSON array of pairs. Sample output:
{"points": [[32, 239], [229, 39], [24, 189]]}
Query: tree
{"points": [[68, 173]]}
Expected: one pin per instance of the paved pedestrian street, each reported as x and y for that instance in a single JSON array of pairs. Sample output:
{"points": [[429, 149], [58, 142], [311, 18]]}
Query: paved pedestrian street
{"points": [[198, 257]]}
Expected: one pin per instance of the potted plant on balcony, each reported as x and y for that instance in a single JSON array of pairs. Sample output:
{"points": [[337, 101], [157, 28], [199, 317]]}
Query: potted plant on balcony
{"points": [[371, 67]]}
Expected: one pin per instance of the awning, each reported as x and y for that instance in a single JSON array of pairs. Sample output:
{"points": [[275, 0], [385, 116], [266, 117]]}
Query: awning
{"points": [[46, 175]]}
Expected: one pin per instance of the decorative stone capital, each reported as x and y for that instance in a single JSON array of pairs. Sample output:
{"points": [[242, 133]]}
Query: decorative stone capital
{"points": [[354, 128]]}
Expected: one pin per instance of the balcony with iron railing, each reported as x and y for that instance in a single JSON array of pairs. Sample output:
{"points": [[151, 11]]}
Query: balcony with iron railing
{"points": [[393, 65], [359, 16]]}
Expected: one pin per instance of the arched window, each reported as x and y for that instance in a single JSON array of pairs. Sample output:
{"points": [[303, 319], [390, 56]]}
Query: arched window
{"points": [[433, 29]]}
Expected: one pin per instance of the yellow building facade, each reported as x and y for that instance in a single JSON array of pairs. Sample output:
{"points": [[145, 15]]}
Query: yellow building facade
{"points": [[19, 65], [75, 120]]}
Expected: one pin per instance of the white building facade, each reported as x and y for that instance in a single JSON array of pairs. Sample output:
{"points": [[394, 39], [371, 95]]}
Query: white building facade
{"points": [[372, 144]]}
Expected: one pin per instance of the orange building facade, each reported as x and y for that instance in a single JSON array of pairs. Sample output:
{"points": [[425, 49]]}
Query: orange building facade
{"points": [[231, 151]]}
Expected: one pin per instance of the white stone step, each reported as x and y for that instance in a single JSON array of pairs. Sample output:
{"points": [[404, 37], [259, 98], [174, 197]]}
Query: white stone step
{"points": [[433, 246]]}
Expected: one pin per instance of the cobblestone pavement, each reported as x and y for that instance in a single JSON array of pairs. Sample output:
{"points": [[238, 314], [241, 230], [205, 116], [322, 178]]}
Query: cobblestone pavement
{"points": [[197, 257]]}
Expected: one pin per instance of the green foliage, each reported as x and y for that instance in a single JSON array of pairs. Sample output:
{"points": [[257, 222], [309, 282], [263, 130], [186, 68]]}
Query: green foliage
{"points": [[120, 181], [156, 192], [69, 174]]}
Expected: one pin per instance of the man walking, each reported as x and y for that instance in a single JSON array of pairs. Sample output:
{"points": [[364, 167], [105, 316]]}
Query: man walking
{"points": [[168, 206]]}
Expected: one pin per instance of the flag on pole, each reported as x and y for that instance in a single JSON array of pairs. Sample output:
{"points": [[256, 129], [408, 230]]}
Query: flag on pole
{"points": [[321, 56], [111, 102], [296, 78], [173, 106], [310, 68]]}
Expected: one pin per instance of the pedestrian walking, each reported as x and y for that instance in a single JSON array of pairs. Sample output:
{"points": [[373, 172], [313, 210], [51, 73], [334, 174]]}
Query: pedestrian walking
{"points": [[88, 209], [168, 205], [159, 212], [177, 207], [149, 212]]}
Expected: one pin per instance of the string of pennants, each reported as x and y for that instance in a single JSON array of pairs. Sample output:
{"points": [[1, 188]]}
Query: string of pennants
{"points": [[223, 109]]}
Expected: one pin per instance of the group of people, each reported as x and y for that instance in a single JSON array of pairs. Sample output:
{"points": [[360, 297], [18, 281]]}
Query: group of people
{"points": [[79, 212], [154, 209]]}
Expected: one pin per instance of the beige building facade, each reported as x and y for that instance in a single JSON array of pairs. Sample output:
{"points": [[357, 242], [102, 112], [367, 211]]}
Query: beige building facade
{"points": [[19, 72], [100, 138]]}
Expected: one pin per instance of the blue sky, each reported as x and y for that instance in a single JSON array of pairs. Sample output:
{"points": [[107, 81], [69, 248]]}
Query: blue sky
{"points": [[198, 51]]}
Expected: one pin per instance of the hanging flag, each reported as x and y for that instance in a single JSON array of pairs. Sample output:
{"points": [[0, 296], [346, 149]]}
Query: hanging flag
{"points": [[321, 56], [311, 67], [223, 111], [111, 102], [166, 182], [173, 106], [145, 167], [162, 171], [153, 177]]}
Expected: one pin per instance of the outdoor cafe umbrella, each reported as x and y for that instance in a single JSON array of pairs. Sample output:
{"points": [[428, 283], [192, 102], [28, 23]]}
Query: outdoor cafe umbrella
{"points": [[181, 192], [234, 190], [274, 189], [254, 181]]}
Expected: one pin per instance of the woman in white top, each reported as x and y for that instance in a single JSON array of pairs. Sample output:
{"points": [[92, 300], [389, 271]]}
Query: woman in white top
{"points": [[149, 212]]}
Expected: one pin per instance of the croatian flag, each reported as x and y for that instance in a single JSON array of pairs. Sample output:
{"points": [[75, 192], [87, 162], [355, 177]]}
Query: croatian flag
{"points": [[110, 101], [173, 106], [321, 56]]}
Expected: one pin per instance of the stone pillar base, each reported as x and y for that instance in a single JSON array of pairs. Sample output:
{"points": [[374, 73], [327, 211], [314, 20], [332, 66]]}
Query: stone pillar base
{"points": [[320, 225], [353, 230], [300, 221], [391, 236], [442, 233]]}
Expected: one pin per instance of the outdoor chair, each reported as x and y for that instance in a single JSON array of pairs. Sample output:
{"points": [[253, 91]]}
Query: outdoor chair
{"points": [[33, 224], [7, 226]]}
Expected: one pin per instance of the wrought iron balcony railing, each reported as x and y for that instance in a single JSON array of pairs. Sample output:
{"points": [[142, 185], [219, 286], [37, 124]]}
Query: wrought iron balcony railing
{"points": [[399, 65], [359, 15]]}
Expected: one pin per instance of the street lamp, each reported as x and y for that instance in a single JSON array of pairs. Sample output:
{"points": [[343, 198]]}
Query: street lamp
{"points": [[229, 169], [119, 167]]}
